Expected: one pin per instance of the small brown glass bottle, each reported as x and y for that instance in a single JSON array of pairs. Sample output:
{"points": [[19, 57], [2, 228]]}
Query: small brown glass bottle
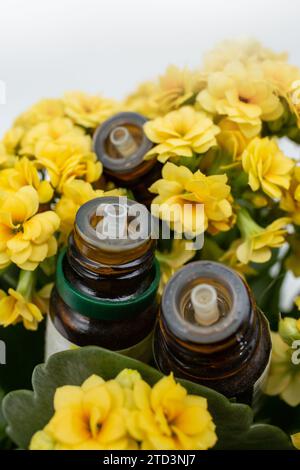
{"points": [[121, 144], [105, 290], [211, 332]]}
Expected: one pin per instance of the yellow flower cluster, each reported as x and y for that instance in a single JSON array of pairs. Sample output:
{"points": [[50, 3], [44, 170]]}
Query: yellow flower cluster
{"points": [[181, 193], [47, 167], [290, 201], [15, 308], [181, 133], [284, 377], [215, 135], [176, 88], [126, 413], [75, 193], [257, 242], [241, 93], [267, 167], [26, 237]]}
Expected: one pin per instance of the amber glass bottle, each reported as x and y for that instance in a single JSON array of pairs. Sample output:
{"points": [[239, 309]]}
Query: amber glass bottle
{"points": [[211, 332], [105, 290], [120, 144]]}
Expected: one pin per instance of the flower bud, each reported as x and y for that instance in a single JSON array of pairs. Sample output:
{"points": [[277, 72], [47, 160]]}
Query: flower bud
{"points": [[289, 329], [127, 378]]}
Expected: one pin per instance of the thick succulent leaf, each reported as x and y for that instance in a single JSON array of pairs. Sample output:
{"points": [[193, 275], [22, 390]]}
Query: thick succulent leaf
{"points": [[5, 442], [26, 412]]}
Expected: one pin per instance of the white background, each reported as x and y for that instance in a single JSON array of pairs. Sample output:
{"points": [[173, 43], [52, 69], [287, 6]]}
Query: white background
{"points": [[108, 46]]}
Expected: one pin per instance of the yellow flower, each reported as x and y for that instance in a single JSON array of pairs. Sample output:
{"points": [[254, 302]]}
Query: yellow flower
{"points": [[15, 308], [230, 258], [66, 161], [89, 417], [7, 159], [170, 261], [26, 238], [127, 378], [88, 110], [293, 99], [289, 328], [12, 139], [142, 100], [61, 129], [247, 50], [176, 88], [42, 441], [180, 192], [43, 111], [22, 174], [241, 93], [9, 146], [126, 414], [284, 376], [231, 139], [267, 167], [292, 262], [290, 201], [75, 193], [257, 200], [257, 242], [167, 418], [181, 133], [296, 440], [297, 302], [281, 74]]}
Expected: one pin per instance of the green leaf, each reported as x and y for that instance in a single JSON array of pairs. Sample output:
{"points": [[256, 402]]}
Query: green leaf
{"points": [[266, 290], [278, 413], [27, 412], [5, 442]]}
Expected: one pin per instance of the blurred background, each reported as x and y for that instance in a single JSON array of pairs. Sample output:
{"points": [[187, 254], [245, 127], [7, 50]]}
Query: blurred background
{"points": [[108, 46]]}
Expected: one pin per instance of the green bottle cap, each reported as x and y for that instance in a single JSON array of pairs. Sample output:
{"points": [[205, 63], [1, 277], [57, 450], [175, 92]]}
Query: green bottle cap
{"points": [[103, 309]]}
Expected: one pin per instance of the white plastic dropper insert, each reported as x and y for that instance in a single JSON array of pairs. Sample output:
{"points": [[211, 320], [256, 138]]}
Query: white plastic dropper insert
{"points": [[204, 300], [121, 138], [114, 222]]}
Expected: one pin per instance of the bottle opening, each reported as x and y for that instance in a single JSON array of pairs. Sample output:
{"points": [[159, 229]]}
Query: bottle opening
{"points": [[120, 142], [205, 302], [114, 224], [123, 141]]}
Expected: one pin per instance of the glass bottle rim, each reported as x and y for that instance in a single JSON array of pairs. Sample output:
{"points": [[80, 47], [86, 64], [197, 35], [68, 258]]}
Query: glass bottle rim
{"points": [[121, 164], [239, 305], [88, 233]]}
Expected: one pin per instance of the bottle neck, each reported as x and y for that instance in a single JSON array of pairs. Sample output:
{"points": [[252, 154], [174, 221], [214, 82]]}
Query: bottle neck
{"points": [[212, 360], [109, 275]]}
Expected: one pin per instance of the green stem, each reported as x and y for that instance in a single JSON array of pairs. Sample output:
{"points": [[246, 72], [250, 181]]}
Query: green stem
{"points": [[9, 277], [246, 224], [26, 283]]}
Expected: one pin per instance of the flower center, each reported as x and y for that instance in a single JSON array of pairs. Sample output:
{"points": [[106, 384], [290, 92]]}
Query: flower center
{"points": [[243, 99], [17, 228]]}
